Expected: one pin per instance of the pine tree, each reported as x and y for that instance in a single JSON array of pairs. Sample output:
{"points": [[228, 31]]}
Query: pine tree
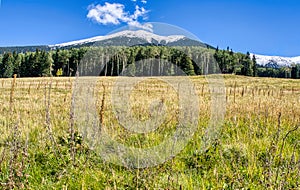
{"points": [[295, 71], [247, 63], [187, 66], [46, 62], [7, 66], [17, 63], [61, 61]]}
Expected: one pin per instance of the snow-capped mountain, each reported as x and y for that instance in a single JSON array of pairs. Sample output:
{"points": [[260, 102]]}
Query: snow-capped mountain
{"points": [[130, 38], [276, 61], [123, 38], [147, 36]]}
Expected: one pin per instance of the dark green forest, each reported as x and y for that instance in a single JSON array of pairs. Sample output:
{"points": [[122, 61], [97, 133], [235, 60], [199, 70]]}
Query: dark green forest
{"points": [[137, 61]]}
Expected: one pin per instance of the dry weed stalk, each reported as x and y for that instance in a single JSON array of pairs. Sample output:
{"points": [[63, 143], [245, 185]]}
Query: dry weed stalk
{"points": [[12, 92], [102, 108], [234, 92]]}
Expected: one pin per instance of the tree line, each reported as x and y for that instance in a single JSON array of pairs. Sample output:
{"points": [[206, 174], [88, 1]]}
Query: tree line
{"points": [[137, 61], [40, 63]]}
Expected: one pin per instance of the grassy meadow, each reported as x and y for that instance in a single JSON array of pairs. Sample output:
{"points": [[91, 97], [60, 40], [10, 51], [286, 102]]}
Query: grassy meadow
{"points": [[257, 147]]}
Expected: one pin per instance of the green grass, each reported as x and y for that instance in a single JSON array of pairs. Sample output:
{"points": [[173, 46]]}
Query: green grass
{"points": [[257, 148]]}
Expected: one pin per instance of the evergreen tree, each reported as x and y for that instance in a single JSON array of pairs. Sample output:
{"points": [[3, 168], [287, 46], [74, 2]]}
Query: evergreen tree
{"points": [[36, 64], [24, 66], [7, 66], [247, 68], [61, 61], [295, 71], [46, 62], [187, 65], [17, 63]]}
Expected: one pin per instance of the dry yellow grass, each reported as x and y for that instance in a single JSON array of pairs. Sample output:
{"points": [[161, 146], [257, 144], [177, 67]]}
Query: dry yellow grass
{"points": [[259, 114]]}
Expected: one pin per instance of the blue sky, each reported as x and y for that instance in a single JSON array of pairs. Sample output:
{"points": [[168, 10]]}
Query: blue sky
{"points": [[270, 27]]}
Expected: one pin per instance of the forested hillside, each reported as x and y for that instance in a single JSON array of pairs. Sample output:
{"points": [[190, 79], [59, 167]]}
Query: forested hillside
{"points": [[137, 60]]}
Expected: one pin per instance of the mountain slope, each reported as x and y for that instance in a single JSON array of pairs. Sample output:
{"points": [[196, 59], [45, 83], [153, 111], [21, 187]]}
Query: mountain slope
{"points": [[131, 38], [144, 36]]}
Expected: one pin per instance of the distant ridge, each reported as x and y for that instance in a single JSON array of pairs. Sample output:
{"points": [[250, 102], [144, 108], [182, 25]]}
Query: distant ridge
{"points": [[23, 49]]}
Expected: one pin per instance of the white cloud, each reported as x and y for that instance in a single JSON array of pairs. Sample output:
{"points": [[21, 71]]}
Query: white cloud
{"points": [[139, 12], [143, 1], [146, 26], [115, 14], [107, 14]]}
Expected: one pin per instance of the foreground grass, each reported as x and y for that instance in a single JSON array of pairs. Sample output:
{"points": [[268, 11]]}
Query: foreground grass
{"points": [[257, 148]]}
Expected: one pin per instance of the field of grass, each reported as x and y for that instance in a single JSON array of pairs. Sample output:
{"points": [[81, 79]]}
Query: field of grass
{"points": [[257, 147]]}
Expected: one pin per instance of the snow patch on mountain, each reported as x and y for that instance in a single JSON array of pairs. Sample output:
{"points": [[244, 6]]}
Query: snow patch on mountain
{"points": [[147, 36], [280, 61]]}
